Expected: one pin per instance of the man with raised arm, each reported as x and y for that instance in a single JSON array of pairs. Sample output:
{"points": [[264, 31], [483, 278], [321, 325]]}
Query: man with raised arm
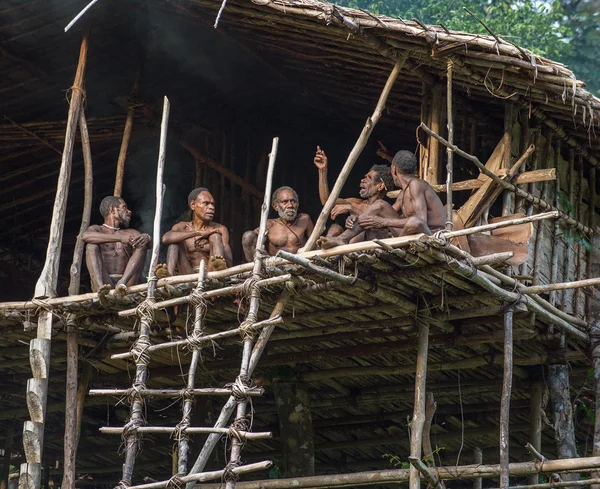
{"points": [[289, 232], [373, 186], [420, 210], [114, 255], [198, 240]]}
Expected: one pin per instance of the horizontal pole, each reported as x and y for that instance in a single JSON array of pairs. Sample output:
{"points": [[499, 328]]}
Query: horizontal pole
{"points": [[109, 430], [211, 293], [207, 476], [258, 391], [202, 339], [503, 224], [418, 464], [492, 259], [548, 485], [377, 477], [540, 289]]}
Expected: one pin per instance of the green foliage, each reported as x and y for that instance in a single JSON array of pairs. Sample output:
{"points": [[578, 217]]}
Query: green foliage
{"points": [[563, 30], [396, 461]]}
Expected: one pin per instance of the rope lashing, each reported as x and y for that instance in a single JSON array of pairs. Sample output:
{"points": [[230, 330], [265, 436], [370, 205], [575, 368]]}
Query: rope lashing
{"points": [[247, 329], [180, 432], [197, 300], [250, 287], [140, 352], [228, 474], [42, 304], [146, 311], [123, 484], [239, 388], [131, 427], [176, 482]]}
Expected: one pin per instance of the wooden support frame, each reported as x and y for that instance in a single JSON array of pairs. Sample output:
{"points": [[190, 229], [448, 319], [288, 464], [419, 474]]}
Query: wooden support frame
{"points": [[506, 395]]}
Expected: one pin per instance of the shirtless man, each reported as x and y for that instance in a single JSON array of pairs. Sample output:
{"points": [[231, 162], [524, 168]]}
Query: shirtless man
{"points": [[289, 232], [373, 187], [114, 255], [201, 239], [420, 210]]}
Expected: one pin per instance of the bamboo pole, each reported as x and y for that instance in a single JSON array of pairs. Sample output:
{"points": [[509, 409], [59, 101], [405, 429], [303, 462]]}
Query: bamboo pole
{"points": [[126, 136], [505, 400], [161, 430], [353, 157], [526, 195], [209, 391], [378, 477], [37, 387], [450, 153], [131, 437], [416, 433], [535, 419]]}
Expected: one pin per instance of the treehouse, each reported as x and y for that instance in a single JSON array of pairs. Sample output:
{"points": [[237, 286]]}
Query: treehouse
{"points": [[463, 358]]}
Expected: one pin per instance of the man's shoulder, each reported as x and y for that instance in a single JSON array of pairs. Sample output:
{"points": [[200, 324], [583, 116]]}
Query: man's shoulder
{"points": [[218, 225], [95, 227], [180, 226], [305, 218]]}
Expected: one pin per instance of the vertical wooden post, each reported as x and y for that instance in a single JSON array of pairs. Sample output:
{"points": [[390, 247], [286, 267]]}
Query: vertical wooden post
{"points": [[425, 117], [562, 410], [71, 427], [418, 420], [132, 440], [579, 306], [594, 320], [295, 428], [126, 136], [39, 353], [509, 118], [432, 173], [353, 156], [506, 394], [8, 444], [592, 258], [450, 153], [82, 389], [535, 420], [477, 460]]}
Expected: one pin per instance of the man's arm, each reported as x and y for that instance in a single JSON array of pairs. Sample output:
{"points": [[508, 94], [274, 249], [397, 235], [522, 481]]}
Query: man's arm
{"points": [[93, 235], [178, 233], [351, 205], [226, 247], [321, 162], [309, 226]]}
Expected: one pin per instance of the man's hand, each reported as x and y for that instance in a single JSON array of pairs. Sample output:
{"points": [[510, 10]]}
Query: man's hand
{"points": [[351, 221], [140, 240], [371, 222], [384, 153], [320, 159], [206, 232], [340, 209]]}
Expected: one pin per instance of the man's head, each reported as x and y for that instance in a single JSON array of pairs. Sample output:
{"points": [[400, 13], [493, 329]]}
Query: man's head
{"points": [[376, 182], [285, 202], [404, 163], [115, 209], [202, 204]]}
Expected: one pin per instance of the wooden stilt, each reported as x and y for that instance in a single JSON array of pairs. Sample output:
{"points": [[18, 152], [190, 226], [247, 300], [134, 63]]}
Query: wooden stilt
{"points": [[131, 437], [509, 120], [126, 136], [478, 460], [450, 153], [506, 394], [594, 320], [86, 375], [8, 444], [432, 172], [295, 428], [562, 410], [37, 387], [535, 419], [353, 157], [416, 434]]}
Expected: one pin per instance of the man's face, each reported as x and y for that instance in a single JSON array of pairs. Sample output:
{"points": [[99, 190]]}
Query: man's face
{"points": [[286, 205], [371, 184], [204, 206], [123, 214]]}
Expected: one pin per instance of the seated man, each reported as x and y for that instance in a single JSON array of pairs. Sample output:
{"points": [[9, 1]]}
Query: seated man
{"points": [[197, 240], [114, 255], [420, 208], [373, 187], [289, 232]]}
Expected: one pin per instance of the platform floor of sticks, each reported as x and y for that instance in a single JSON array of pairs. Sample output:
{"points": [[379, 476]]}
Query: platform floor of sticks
{"points": [[351, 347]]}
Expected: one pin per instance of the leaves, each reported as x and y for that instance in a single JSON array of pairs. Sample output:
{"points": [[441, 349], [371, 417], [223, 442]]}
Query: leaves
{"points": [[565, 30]]}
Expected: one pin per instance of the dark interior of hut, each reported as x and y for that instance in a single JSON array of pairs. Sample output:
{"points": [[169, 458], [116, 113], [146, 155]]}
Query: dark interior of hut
{"points": [[229, 97]]}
